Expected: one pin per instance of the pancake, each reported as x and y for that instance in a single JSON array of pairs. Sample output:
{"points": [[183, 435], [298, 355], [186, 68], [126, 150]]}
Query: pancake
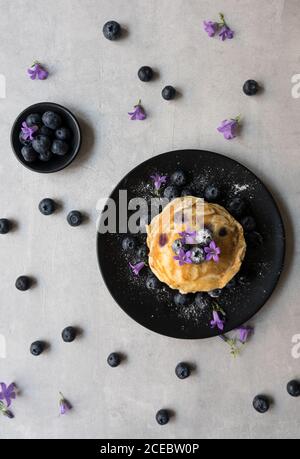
{"points": [[193, 214]]}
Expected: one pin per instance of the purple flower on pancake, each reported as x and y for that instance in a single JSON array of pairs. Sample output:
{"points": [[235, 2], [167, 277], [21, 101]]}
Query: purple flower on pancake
{"points": [[27, 132], [136, 269], [183, 258], [159, 180], [229, 128], [244, 334], [188, 237], [138, 113], [211, 28], [37, 71], [64, 405], [217, 321], [212, 252], [7, 393]]}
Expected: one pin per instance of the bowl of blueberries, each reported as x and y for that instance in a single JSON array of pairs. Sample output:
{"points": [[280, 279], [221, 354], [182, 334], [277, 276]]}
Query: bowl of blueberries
{"points": [[46, 137]]}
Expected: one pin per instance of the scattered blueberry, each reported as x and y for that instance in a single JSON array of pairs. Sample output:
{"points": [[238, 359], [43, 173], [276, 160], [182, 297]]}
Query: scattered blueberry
{"points": [[237, 206], [59, 147], [114, 360], [251, 87], [69, 334], [171, 193], [34, 120], [46, 156], [46, 131], [75, 218], [112, 30], [128, 244], [202, 301], [254, 239], [249, 224], [177, 246], [293, 388], [41, 144], [162, 417], [152, 283], [37, 348], [169, 93], [183, 370], [145, 74], [52, 120], [142, 252], [215, 293], [223, 232], [23, 283], [212, 193], [183, 300], [261, 404], [178, 178], [197, 255], [47, 206], [63, 134], [5, 226]]}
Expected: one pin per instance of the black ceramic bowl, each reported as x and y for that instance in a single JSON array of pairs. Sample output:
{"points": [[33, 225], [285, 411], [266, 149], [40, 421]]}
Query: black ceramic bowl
{"points": [[56, 163]]}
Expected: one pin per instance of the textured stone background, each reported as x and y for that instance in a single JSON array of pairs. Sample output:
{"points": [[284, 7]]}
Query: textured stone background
{"points": [[97, 80]]}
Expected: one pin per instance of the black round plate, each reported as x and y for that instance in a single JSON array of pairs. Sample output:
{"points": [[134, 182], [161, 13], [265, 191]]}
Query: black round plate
{"points": [[56, 163], [262, 266]]}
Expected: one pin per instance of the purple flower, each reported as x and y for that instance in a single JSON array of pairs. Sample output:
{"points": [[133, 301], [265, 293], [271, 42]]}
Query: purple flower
{"points": [[163, 239], [27, 132], [138, 113], [159, 180], [136, 269], [244, 334], [7, 393], [211, 28], [229, 128], [212, 252], [183, 257], [188, 237], [226, 33], [64, 405], [217, 321], [37, 71]]}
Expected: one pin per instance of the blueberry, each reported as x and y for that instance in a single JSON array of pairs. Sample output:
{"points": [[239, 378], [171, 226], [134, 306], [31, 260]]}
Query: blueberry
{"points": [[293, 388], [183, 300], [59, 147], [41, 144], [215, 293], [232, 284], [23, 283], [212, 193], [223, 232], [112, 30], [46, 131], [249, 224], [197, 255], [187, 192], [29, 154], [74, 218], [114, 360], [182, 370], [142, 253], [169, 93], [202, 301], [52, 120], [261, 404], [37, 348], [178, 178], [177, 246], [128, 244], [237, 207], [69, 334], [162, 417], [171, 193], [254, 239], [145, 74], [46, 156], [24, 142], [251, 87], [34, 120], [5, 226], [63, 134], [204, 237], [152, 283], [47, 206]]}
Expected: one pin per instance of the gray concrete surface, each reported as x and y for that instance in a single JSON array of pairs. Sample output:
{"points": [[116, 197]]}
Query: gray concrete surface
{"points": [[97, 80]]}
